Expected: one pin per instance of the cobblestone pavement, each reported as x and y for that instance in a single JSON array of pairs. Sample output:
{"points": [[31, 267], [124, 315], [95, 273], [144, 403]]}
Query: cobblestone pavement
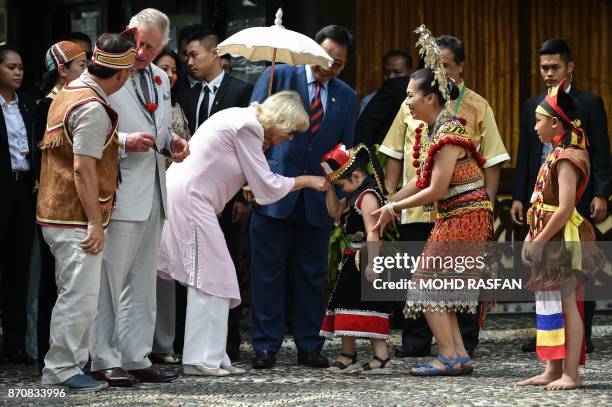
{"points": [[500, 364]]}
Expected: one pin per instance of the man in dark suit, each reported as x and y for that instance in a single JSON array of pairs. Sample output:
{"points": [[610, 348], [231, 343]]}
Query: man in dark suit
{"points": [[289, 239], [376, 118], [210, 89], [555, 64], [17, 207]]}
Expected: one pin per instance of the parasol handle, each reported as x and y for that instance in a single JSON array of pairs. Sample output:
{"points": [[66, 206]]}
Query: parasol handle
{"points": [[272, 72]]}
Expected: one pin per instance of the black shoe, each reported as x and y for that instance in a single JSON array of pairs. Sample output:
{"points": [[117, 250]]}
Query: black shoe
{"points": [[233, 354], [312, 359], [589, 345], [529, 346], [411, 352], [264, 360]]}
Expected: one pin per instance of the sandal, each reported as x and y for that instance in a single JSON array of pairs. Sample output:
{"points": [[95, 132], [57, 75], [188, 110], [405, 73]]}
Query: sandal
{"points": [[384, 368], [340, 368], [427, 369], [467, 364]]}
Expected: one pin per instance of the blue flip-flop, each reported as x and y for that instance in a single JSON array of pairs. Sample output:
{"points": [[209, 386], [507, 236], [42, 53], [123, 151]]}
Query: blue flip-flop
{"points": [[427, 369]]}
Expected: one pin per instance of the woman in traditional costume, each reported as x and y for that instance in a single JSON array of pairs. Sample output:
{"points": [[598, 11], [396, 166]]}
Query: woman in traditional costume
{"points": [[560, 265], [347, 316], [227, 152], [449, 172]]}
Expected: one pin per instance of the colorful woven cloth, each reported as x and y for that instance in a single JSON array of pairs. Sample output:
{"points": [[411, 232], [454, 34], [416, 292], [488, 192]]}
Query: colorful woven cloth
{"points": [[550, 339]]}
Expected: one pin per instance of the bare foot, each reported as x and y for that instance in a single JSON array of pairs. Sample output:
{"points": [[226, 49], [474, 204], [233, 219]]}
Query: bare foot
{"points": [[566, 382], [540, 380]]}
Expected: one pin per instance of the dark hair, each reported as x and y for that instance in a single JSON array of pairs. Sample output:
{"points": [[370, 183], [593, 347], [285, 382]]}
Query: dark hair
{"points": [[208, 39], [188, 31], [180, 71], [49, 79], [455, 45], [556, 46], [424, 78], [4, 50], [79, 36], [337, 34], [567, 104], [397, 53], [109, 43]]}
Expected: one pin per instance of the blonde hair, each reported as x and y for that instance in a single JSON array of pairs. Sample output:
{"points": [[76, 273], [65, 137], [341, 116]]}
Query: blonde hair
{"points": [[154, 17], [283, 111]]}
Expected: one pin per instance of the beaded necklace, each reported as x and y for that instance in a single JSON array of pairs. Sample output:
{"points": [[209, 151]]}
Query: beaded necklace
{"points": [[151, 107], [535, 217]]}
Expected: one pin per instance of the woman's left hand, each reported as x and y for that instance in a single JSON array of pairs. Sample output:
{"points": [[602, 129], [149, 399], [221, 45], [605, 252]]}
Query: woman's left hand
{"points": [[384, 219]]}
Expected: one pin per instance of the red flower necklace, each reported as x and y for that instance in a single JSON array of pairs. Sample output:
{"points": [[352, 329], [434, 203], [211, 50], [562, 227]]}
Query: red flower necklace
{"points": [[151, 107]]}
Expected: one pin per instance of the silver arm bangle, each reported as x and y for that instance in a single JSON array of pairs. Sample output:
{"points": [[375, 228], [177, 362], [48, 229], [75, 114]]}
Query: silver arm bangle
{"points": [[391, 208]]}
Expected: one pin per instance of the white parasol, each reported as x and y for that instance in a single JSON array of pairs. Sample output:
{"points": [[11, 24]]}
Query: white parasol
{"points": [[275, 44]]}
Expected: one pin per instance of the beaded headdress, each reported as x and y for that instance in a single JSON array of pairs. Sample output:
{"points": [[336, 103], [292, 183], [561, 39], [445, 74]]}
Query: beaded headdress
{"points": [[340, 160], [430, 52], [118, 60]]}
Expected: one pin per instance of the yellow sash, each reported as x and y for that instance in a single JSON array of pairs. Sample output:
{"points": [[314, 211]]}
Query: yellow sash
{"points": [[571, 234]]}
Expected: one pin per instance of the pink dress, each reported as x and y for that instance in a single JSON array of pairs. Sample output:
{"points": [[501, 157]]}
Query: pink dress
{"points": [[226, 153]]}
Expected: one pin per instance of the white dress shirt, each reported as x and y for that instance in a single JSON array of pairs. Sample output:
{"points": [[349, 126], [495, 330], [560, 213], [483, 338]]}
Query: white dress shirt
{"points": [[311, 83], [17, 134], [213, 87]]}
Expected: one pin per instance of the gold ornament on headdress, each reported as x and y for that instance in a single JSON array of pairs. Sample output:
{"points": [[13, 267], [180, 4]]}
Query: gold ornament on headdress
{"points": [[430, 52]]}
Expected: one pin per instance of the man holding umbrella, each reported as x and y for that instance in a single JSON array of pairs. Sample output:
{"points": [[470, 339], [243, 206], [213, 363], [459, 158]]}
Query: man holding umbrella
{"points": [[296, 259]]}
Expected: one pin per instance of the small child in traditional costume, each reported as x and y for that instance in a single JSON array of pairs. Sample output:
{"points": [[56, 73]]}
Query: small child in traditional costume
{"points": [[560, 246], [347, 315]]}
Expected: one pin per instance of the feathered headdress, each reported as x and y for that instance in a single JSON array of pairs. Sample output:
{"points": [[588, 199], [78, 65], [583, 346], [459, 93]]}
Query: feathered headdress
{"points": [[430, 52]]}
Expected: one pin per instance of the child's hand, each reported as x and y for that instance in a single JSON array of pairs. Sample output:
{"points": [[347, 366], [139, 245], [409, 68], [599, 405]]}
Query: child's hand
{"points": [[525, 253], [536, 250], [532, 253], [369, 273]]}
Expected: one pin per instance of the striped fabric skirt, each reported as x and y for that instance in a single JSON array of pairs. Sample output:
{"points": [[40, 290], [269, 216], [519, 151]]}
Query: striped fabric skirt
{"points": [[550, 325]]}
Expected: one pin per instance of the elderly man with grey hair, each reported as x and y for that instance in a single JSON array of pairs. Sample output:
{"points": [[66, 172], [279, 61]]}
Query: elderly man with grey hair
{"points": [[125, 321]]}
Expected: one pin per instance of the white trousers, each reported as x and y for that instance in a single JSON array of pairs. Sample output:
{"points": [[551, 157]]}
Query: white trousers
{"points": [[126, 310], [165, 319], [77, 274], [205, 329]]}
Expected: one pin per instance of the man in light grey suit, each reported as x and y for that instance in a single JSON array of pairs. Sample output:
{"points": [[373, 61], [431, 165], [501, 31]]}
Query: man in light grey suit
{"points": [[125, 321]]}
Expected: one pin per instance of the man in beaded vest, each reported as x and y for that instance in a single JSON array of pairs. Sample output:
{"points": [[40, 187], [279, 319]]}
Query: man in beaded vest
{"points": [[79, 176]]}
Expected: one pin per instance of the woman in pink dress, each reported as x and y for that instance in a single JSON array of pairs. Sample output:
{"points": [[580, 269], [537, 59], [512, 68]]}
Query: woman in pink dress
{"points": [[227, 152]]}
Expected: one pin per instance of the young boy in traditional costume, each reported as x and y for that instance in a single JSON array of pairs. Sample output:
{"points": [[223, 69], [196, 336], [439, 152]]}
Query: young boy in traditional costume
{"points": [[347, 316], [559, 246]]}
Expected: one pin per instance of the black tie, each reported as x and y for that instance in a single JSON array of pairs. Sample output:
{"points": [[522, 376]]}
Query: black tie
{"points": [[204, 106], [146, 93], [203, 115]]}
